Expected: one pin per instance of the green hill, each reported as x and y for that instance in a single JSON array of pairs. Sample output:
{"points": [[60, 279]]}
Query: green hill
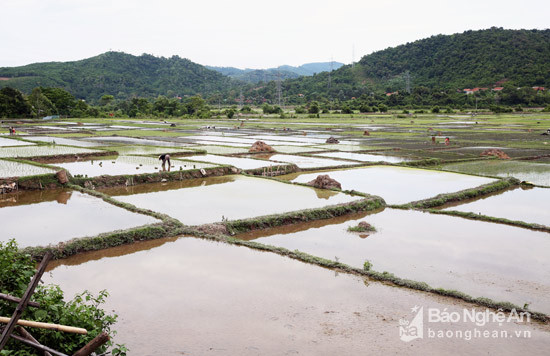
{"points": [[283, 72], [119, 74], [470, 59]]}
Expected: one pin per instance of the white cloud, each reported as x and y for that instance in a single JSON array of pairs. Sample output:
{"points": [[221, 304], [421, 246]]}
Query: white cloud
{"points": [[242, 33]]}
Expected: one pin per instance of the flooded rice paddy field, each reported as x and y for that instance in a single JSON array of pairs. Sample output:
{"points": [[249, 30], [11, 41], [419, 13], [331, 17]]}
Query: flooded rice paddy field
{"points": [[364, 157], [220, 150], [241, 163], [209, 200], [124, 165], [521, 204], [41, 218], [6, 142], [397, 185], [147, 150], [17, 169], [536, 173], [131, 141], [63, 141], [37, 151], [478, 258], [307, 161], [196, 297]]}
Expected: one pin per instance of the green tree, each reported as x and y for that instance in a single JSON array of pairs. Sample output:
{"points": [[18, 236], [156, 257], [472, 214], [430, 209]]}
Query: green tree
{"points": [[313, 108], [80, 109], [61, 99], [40, 104], [13, 104], [106, 100], [230, 113]]}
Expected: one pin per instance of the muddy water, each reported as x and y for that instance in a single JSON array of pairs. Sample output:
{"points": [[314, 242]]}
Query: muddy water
{"points": [[529, 205], [397, 185], [126, 165], [536, 173], [195, 297], [363, 157], [210, 200], [242, 163], [42, 218], [308, 162], [481, 259]]}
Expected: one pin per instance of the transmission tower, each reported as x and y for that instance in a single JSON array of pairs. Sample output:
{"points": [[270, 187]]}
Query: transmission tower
{"points": [[279, 90], [353, 56], [241, 99], [329, 85], [408, 81]]}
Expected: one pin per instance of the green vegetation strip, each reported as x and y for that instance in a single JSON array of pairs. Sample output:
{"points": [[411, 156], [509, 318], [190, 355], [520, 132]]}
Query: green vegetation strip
{"points": [[442, 199], [474, 216], [240, 226], [273, 170], [112, 181], [40, 181], [55, 158]]}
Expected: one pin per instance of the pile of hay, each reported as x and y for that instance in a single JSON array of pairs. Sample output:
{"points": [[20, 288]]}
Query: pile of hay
{"points": [[325, 182], [495, 152], [261, 146]]}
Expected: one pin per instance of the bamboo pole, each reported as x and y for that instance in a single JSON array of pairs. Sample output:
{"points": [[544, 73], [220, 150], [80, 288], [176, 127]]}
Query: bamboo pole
{"points": [[11, 298], [24, 300], [36, 324], [37, 346], [25, 334], [93, 345]]}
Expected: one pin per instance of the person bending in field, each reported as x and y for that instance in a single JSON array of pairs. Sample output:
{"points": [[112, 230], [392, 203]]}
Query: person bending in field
{"points": [[165, 158]]}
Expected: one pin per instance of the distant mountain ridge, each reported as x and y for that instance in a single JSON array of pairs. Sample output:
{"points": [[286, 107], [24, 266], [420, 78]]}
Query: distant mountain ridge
{"points": [[120, 74], [283, 72], [465, 60]]}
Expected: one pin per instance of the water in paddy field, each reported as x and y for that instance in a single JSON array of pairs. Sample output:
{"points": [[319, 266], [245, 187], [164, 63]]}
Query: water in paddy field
{"points": [[16, 169], [132, 141], [41, 151], [147, 150], [482, 259], [308, 162], [397, 185], [194, 297], [200, 201], [63, 141], [364, 157], [242, 163], [530, 205], [40, 218], [536, 173], [125, 165], [4, 141]]}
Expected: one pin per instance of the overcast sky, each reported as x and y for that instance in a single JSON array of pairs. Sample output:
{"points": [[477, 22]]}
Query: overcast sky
{"points": [[243, 33]]}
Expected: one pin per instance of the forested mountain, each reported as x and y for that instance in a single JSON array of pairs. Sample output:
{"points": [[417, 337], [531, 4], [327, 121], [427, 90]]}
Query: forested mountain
{"points": [[470, 59], [119, 74], [283, 72], [485, 58]]}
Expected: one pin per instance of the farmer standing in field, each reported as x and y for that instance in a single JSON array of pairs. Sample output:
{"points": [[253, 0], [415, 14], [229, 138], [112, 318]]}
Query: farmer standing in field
{"points": [[165, 158]]}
